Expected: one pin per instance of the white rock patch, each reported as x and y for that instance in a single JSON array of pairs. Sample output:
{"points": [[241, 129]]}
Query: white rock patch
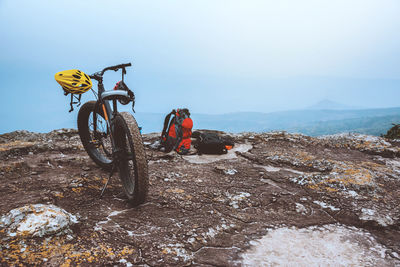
{"points": [[235, 199], [127, 263], [98, 226], [204, 159], [37, 220], [271, 168], [230, 171], [178, 250], [325, 206], [331, 245], [372, 215], [300, 208], [395, 164]]}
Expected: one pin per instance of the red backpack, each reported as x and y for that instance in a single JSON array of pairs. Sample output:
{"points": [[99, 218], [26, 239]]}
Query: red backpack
{"points": [[177, 131]]}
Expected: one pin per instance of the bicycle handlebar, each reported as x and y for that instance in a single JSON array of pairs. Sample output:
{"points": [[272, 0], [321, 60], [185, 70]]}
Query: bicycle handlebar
{"points": [[98, 75], [116, 67]]}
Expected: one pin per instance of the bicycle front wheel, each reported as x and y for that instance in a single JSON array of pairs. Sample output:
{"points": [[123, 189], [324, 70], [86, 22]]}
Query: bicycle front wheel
{"points": [[132, 163], [97, 142]]}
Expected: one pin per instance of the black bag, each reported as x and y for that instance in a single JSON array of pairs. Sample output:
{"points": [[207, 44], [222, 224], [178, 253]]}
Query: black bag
{"points": [[212, 143]]}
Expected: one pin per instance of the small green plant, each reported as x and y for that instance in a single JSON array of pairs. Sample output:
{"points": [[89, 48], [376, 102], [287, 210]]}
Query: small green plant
{"points": [[394, 132]]}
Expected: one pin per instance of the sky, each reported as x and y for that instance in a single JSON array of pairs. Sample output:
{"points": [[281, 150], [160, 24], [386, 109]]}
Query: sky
{"points": [[211, 56]]}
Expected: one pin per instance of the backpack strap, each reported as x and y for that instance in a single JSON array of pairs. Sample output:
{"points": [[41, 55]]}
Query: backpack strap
{"points": [[178, 130], [167, 125]]}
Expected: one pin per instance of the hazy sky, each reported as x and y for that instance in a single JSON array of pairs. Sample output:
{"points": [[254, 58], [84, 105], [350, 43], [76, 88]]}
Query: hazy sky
{"points": [[210, 56]]}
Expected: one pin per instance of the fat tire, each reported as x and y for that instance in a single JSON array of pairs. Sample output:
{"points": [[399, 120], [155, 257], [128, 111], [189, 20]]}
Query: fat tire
{"points": [[126, 122], [84, 133]]}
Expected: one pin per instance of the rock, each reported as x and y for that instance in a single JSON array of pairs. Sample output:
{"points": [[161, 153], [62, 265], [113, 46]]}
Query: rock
{"points": [[156, 145], [205, 159], [200, 214], [224, 170], [330, 245], [36, 221], [216, 256], [394, 255], [301, 209], [365, 143], [372, 215]]}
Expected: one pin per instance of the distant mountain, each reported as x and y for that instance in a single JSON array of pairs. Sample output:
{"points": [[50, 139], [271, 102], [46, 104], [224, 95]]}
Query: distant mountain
{"points": [[330, 105], [310, 122], [366, 125]]}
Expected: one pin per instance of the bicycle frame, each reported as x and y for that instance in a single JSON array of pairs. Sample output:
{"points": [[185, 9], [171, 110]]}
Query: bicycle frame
{"points": [[104, 105], [104, 98]]}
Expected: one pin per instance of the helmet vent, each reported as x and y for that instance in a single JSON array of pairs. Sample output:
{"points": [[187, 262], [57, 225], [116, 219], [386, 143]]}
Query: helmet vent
{"points": [[76, 76]]}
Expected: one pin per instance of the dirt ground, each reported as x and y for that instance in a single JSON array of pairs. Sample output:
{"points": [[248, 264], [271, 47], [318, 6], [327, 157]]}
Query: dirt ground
{"points": [[201, 210]]}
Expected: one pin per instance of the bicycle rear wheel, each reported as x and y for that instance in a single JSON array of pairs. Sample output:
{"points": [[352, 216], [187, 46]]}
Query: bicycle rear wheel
{"points": [[97, 142], [132, 163]]}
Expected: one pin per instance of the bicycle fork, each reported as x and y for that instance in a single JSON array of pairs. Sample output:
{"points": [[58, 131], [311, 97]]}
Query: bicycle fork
{"points": [[115, 152]]}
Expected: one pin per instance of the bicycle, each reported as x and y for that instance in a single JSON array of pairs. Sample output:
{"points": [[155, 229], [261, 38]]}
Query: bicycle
{"points": [[112, 139]]}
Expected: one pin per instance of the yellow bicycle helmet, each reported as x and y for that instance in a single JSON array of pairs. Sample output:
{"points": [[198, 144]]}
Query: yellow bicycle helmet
{"points": [[74, 81]]}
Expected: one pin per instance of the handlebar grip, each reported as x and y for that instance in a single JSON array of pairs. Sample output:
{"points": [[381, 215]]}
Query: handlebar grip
{"points": [[120, 66]]}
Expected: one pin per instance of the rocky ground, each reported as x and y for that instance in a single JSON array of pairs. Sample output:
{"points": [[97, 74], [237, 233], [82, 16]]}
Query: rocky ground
{"points": [[275, 199]]}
